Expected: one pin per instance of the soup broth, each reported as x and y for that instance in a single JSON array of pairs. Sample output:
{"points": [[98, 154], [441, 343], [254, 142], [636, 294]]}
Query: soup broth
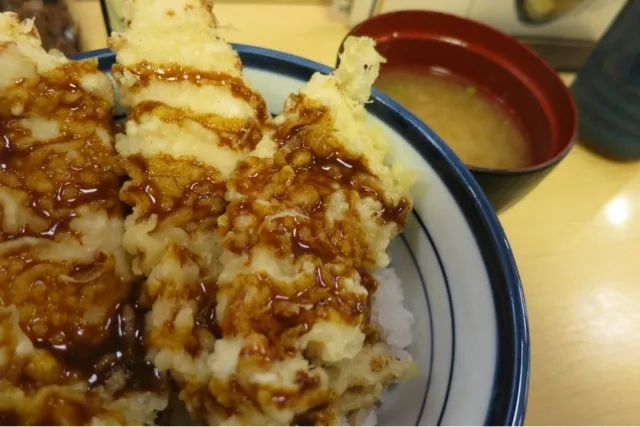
{"points": [[479, 130]]}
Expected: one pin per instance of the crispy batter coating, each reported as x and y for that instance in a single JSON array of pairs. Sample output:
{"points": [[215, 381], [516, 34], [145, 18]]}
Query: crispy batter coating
{"points": [[257, 238], [303, 232], [192, 117], [69, 347]]}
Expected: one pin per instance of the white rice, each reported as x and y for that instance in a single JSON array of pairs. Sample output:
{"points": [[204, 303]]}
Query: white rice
{"points": [[367, 417], [390, 313], [395, 323]]}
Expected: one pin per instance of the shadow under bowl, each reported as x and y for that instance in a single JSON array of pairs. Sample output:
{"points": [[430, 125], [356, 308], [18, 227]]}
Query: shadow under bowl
{"points": [[515, 76]]}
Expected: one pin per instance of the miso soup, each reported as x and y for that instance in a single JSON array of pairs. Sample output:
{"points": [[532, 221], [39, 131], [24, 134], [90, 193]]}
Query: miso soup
{"points": [[478, 129]]}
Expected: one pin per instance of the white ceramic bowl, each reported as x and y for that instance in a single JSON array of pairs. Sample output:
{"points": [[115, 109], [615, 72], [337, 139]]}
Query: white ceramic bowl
{"points": [[471, 334]]}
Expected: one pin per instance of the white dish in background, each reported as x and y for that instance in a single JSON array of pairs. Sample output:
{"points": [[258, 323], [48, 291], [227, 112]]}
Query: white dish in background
{"points": [[470, 335]]}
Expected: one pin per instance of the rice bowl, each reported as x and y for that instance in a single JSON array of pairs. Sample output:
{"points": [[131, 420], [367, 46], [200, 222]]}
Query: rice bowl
{"points": [[445, 340]]}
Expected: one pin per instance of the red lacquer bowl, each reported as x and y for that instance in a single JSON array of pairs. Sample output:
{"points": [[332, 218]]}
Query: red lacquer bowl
{"points": [[500, 66]]}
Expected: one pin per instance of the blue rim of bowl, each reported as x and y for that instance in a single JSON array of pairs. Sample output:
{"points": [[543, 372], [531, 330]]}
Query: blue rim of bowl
{"points": [[511, 382]]}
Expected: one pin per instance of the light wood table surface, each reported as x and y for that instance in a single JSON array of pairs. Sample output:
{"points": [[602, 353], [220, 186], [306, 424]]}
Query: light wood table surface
{"points": [[576, 239]]}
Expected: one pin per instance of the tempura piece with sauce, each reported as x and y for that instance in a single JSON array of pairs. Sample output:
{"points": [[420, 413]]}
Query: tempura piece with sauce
{"points": [[307, 224], [192, 117], [71, 351]]}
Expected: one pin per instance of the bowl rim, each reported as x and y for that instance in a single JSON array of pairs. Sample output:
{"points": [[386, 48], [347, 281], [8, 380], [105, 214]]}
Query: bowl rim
{"points": [[507, 38], [504, 408]]}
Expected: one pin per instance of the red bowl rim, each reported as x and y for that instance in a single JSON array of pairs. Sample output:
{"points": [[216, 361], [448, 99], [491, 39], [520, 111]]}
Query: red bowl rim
{"points": [[357, 31]]}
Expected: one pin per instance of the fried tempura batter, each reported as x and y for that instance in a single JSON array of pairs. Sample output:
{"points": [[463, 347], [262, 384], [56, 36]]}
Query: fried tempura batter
{"points": [[192, 117], [70, 349], [278, 330], [304, 229]]}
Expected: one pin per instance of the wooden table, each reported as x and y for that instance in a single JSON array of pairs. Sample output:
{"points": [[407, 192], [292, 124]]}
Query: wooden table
{"points": [[576, 239]]}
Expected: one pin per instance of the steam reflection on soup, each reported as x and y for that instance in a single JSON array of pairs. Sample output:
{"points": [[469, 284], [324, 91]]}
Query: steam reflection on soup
{"points": [[479, 130]]}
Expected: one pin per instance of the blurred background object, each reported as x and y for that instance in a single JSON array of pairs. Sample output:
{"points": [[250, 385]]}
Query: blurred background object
{"points": [[114, 14], [544, 11], [607, 89], [52, 19], [563, 32]]}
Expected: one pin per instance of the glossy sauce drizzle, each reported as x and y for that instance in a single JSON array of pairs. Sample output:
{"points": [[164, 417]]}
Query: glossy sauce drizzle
{"points": [[193, 186], [237, 134], [146, 72], [282, 316], [322, 174], [56, 187], [305, 165], [58, 177], [120, 349]]}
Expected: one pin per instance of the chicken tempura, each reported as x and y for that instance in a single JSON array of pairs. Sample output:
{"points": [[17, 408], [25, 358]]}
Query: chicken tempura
{"points": [[304, 230], [70, 346], [192, 117]]}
